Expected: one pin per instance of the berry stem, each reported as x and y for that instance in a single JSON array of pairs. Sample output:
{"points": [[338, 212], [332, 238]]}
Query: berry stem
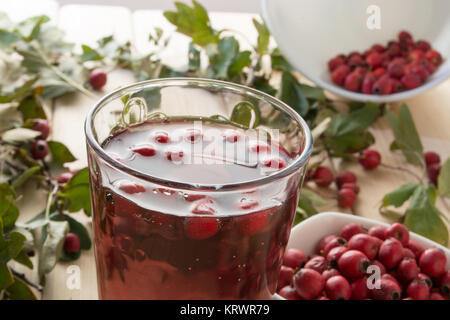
{"points": [[22, 277], [412, 173]]}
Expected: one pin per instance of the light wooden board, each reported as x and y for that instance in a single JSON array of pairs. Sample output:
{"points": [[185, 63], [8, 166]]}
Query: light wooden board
{"points": [[85, 24]]}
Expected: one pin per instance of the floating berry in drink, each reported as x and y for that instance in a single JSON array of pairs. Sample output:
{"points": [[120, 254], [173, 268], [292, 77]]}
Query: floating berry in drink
{"points": [[146, 150], [175, 155], [199, 228], [161, 137], [259, 147], [247, 204], [130, 187], [252, 223], [275, 163], [203, 206]]}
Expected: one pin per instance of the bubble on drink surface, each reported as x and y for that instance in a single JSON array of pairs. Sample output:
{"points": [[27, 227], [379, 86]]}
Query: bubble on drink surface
{"points": [[134, 112]]}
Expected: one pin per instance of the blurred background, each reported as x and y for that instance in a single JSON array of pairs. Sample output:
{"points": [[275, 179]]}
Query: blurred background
{"points": [[211, 5]]}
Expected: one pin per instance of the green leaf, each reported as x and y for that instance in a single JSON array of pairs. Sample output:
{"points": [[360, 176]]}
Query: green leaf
{"points": [[32, 109], [353, 142], [77, 193], [279, 62], [8, 209], [406, 136], [291, 93], [52, 245], [10, 116], [89, 54], [19, 290], [399, 196], [314, 93], [423, 218], [10, 248], [313, 197], [193, 22], [60, 153], [444, 179], [7, 38], [77, 228], [6, 277], [263, 37], [23, 259], [263, 85], [240, 61], [245, 114], [27, 174], [358, 120], [19, 135], [30, 27], [228, 47]]}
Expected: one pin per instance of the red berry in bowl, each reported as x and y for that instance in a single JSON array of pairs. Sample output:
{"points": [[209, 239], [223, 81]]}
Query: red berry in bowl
{"points": [[399, 232], [444, 283], [404, 35], [432, 262], [421, 71], [336, 242], [378, 48], [382, 86], [39, 149], [390, 253], [336, 62], [289, 293], [374, 60], [353, 264], [327, 274], [355, 61], [367, 83], [394, 49], [334, 255], [418, 290], [407, 270], [308, 283], [379, 265], [378, 232], [97, 79], [433, 171], [423, 45], [391, 277], [199, 228], [285, 277], [338, 288], [349, 230], [434, 57], [323, 177], [378, 73], [370, 159], [396, 69], [339, 74], [346, 198], [431, 157], [416, 248], [360, 290], [415, 55], [386, 290], [323, 242], [71, 243], [294, 258], [407, 253], [353, 81], [411, 81], [42, 126], [352, 186], [396, 85], [317, 263], [364, 243], [436, 296], [345, 177], [423, 277]]}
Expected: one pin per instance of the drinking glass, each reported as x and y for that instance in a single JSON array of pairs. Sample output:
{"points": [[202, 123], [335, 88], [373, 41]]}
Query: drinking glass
{"points": [[141, 247]]}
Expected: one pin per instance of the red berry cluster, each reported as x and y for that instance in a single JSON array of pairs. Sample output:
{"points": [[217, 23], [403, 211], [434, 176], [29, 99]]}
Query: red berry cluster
{"points": [[433, 163], [345, 180], [339, 269], [39, 148], [401, 65]]}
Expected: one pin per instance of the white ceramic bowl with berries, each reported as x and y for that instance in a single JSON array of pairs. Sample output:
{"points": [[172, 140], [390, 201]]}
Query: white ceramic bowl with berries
{"points": [[307, 235], [310, 33]]}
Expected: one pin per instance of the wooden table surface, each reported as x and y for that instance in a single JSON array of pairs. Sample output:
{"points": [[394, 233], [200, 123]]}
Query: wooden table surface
{"points": [[85, 24]]}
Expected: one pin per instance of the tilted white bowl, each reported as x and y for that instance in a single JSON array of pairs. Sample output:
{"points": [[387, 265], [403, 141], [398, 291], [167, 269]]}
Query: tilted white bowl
{"points": [[311, 32], [307, 234]]}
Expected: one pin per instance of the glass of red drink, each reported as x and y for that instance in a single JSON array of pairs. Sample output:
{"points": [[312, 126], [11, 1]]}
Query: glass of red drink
{"points": [[194, 187]]}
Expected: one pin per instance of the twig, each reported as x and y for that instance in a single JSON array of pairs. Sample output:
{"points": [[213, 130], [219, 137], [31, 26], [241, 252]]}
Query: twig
{"points": [[22, 277], [402, 169]]}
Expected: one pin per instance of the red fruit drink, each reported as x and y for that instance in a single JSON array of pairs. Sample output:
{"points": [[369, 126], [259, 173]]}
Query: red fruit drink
{"points": [[162, 241]]}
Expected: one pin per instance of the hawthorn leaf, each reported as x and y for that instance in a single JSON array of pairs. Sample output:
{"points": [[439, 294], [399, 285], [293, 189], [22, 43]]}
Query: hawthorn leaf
{"points": [[444, 179]]}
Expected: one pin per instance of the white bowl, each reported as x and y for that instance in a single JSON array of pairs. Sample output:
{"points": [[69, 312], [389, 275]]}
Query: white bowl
{"points": [[307, 234], [311, 32]]}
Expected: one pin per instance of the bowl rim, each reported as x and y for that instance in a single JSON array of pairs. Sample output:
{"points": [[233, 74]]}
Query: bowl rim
{"points": [[341, 91]]}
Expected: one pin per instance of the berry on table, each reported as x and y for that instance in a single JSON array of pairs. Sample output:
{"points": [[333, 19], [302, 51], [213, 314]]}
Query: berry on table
{"points": [[345, 177], [42, 126], [346, 198], [432, 262], [433, 171], [308, 283], [352, 186], [97, 79], [431, 157], [71, 243], [338, 288], [323, 176], [370, 159], [39, 149]]}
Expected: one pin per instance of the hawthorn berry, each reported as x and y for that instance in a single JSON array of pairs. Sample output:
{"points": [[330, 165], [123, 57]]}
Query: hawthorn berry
{"points": [[378, 232], [432, 262], [144, 150], [338, 288], [398, 231], [97, 79], [336, 242], [71, 243], [65, 177], [323, 176], [382, 86], [289, 293], [370, 159], [308, 283], [294, 258], [285, 277], [444, 283], [334, 255], [418, 290], [386, 289], [317, 263], [352, 186], [346, 198], [433, 171], [39, 149], [336, 62], [407, 269], [353, 264], [416, 248], [360, 290], [434, 57], [323, 242], [339, 74], [345, 177], [431, 157], [411, 81], [390, 252], [42, 126], [367, 83], [364, 243], [200, 228], [349, 230], [327, 274]]}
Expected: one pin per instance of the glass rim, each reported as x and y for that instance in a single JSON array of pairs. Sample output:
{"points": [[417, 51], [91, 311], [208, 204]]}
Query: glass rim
{"points": [[199, 82]]}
